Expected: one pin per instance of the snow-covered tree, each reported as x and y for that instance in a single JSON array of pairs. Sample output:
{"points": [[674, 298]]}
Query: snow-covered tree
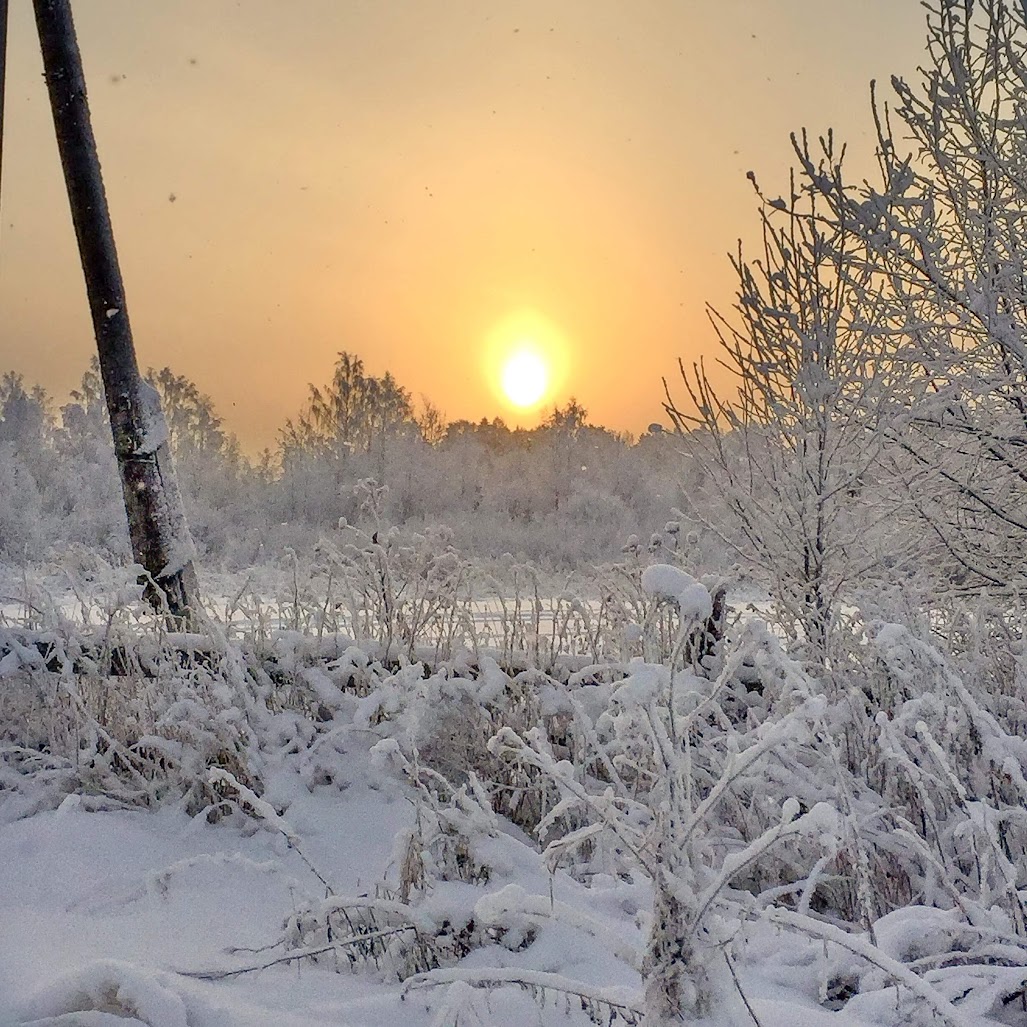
{"points": [[355, 410], [947, 225], [796, 452]]}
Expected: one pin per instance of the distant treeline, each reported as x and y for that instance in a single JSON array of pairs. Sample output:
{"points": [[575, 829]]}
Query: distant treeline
{"points": [[565, 493]]}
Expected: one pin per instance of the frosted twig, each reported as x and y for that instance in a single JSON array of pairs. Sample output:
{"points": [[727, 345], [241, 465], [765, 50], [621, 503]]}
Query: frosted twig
{"points": [[288, 957], [494, 976], [892, 967]]}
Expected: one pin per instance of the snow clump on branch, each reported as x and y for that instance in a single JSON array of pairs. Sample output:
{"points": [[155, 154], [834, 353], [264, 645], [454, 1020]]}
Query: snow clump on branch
{"points": [[692, 597]]}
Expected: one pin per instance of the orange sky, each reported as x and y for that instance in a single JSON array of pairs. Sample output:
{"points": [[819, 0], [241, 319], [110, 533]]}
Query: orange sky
{"points": [[399, 178]]}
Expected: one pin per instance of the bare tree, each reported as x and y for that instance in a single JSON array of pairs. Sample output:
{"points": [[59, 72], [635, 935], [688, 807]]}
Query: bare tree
{"points": [[794, 450], [431, 422], [947, 226]]}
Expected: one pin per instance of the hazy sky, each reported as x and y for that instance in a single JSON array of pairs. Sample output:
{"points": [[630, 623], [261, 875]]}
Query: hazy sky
{"points": [[403, 179]]}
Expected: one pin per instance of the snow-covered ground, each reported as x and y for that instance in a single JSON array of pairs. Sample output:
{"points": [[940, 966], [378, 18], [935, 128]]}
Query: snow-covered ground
{"points": [[371, 877], [107, 917], [107, 913]]}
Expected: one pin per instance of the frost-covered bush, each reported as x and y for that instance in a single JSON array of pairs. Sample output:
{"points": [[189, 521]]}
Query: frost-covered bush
{"points": [[110, 705], [645, 749], [667, 782]]}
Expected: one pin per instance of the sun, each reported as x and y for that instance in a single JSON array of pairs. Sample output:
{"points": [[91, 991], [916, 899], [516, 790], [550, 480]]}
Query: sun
{"points": [[525, 359], [524, 378]]}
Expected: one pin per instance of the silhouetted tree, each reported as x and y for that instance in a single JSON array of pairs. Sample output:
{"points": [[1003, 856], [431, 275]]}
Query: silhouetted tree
{"points": [[432, 422], [194, 429], [355, 408]]}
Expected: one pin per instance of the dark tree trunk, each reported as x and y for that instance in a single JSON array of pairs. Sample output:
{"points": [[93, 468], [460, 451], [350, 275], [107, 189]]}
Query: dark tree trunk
{"points": [[3, 76], [156, 522]]}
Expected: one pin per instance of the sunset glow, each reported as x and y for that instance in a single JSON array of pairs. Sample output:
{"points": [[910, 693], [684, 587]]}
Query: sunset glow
{"points": [[329, 176], [528, 362], [525, 378]]}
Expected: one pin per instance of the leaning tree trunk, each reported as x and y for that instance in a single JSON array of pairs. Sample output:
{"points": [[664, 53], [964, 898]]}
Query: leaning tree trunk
{"points": [[3, 76], [156, 520]]}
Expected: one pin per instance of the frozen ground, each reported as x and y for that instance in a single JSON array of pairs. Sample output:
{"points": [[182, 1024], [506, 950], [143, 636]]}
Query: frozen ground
{"points": [[261, 914], [106, 915]]}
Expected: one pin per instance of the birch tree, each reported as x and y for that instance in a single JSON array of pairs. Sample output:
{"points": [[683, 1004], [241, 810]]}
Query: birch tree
{"points": [[356, 409], [796, 451], [946, 224]]}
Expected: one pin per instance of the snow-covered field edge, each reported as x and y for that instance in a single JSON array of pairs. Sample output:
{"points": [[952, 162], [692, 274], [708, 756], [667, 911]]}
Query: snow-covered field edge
{"points": [[705, 833]]}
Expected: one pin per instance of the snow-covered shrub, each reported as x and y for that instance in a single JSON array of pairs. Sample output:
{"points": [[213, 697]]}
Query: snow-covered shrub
{"points": [[954, 780], [671, 784], [710, 779], [113, 706]]}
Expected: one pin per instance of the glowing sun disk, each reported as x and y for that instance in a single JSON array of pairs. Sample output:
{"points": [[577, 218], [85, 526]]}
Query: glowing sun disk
{"points": [[524, 378]]}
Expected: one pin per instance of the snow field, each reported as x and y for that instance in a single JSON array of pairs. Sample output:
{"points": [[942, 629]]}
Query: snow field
{"points": [[296, 834]]}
